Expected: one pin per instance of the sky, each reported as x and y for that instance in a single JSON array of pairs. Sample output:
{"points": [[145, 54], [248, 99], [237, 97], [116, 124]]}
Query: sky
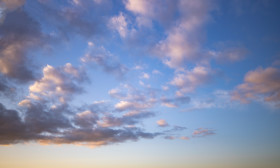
{"points": [[139, 83]]}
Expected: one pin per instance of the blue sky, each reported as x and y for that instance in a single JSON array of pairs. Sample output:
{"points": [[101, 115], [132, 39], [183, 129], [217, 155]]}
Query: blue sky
{"points": [[134, 83]]}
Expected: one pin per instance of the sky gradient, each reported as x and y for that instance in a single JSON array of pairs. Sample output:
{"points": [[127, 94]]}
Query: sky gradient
{"points": [[139, 83]]}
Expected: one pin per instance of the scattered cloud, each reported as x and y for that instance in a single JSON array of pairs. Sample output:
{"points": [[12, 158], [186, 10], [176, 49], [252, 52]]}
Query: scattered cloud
{"points": [[261, 84], [175, 102], [230, 54], [131, 98], [162, 123], [188, 80], [57, 83], [153, 10], [127, 119], [183, 40], [60, 125], [170, 137], [19, 35], [105, 60], [11, 4], [184, 138], [120, 24], [145, 76], [201, 132]]}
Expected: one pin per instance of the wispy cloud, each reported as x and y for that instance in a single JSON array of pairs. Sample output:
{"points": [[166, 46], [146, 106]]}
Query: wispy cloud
{"points": [[201, 132], [100, 57]]}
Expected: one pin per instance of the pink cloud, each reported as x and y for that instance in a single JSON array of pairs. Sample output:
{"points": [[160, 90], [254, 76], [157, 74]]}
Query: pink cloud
{"points": [[261, 84]]}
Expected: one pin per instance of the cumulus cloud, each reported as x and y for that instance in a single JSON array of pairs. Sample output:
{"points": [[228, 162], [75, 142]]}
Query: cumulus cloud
{"points": [[188, 80], [147, 11], [201, 132], [19, 35], [60, 125], [162, 123], [119, 24], [101, 57], [183, 40], [57, 83], [261, 84]]}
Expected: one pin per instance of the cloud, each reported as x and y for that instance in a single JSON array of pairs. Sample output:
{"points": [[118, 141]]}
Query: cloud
{"points": [[182, 42], [57, 83], [201, 132], [229, 54], [60, 125], [86, 119], [131, 98], [69, 19], [11, 4], [120, 24], [130, 118], [188, 80], [185, 138], [175, 102], [162, 123], [105, 60], [11, 126], [19, 35], [147, 11], [261, 84], [128, 105], [145, 76], [170, 137]]}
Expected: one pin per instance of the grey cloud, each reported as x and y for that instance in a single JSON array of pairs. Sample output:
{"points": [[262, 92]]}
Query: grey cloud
{"points": [[175, 102], [73, 19], [102, 136], [130, 118], [11, 4], [11, 126], [58, 124], [19, 34]]}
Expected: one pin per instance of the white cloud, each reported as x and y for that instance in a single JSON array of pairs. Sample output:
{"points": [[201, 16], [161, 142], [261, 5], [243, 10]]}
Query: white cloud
{"points": [[145, 76], [119, 23], [187, 81], [183, 40], [57, 83]]}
